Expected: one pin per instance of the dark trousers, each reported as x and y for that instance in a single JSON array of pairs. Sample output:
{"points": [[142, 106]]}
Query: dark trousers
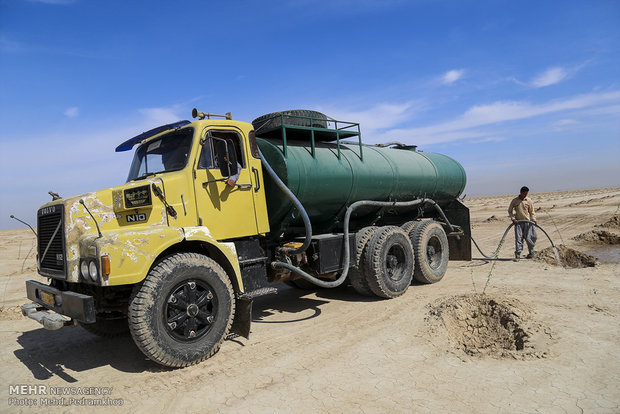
{"points": [[527, 232]]}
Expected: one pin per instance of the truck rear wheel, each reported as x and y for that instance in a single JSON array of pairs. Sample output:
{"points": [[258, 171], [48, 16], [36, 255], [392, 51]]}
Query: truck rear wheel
{"points": [[388, 262], [409, 226], [182, 311], [431, 252], [356, 276]]}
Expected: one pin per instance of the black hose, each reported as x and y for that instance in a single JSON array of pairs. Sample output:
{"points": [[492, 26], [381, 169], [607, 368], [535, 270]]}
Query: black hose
{"points": [[441, 213], [501, 242], [347, 258]]}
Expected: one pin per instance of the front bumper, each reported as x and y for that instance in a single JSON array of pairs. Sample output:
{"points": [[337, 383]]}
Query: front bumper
{"points": [[76, 306]]}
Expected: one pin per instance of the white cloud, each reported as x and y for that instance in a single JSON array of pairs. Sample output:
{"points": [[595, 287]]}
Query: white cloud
{"points": [[497, 112], [565, 124], [72, 112], [549, 77], [487, 139], [380, 116], [613, 110], [452, 76]]}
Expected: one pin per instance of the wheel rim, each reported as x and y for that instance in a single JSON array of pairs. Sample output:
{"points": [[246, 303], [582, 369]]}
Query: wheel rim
{"points": [[191, 310], [434, 253], [395, 263]]}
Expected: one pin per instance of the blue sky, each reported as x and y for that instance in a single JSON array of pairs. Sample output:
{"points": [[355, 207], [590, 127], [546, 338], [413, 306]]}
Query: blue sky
{"points": [[519, 92]]}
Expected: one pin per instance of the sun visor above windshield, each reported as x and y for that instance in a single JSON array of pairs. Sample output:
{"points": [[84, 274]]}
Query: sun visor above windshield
{"points": [[127, 145]]}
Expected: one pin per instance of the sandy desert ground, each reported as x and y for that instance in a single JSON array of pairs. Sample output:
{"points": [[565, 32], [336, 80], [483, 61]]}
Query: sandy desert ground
{"points": [[491, 337]]}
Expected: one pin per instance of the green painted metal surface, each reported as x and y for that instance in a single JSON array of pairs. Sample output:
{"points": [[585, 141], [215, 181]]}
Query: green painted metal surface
{"points": [[327, 184]]}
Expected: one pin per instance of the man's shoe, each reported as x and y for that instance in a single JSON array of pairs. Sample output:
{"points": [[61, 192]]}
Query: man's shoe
{"points": [[517, 256], [530, 255]]}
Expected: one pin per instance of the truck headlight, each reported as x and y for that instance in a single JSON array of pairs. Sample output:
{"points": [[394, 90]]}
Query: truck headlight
{"points": [[92, 269], [84, 269]]}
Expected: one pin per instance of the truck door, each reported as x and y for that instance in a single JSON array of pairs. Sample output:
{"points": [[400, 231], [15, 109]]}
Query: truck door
{"points": [[227, 211]]}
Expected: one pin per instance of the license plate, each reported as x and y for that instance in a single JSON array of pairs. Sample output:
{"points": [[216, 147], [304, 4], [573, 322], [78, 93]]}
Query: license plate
{"points": [[48, 298]]}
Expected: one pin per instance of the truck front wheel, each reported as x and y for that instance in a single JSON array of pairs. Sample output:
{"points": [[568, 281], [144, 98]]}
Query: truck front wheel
{"points": [[182, 311]]}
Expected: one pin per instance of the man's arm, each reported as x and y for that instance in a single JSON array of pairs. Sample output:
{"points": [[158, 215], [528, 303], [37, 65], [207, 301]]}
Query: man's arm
{"points": [[511, 207], [532, 214], [232, 180]]}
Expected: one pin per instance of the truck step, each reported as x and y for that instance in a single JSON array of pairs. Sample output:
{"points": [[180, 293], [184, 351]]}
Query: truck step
{"points": [[258, 292]]}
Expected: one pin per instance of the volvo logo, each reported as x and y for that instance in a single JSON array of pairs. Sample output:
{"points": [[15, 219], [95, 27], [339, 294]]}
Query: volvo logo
{"points": [[47, 210]]}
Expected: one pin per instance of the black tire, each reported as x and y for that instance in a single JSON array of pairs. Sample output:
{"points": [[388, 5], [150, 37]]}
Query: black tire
{"points": [[107, 328], [408, 226], [356, 276], [388, 262], [271, 120], [431, 252], [182, 311]]}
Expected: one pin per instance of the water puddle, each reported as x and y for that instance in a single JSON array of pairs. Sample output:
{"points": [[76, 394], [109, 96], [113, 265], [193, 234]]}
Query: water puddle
{"points": [[605, 253]]}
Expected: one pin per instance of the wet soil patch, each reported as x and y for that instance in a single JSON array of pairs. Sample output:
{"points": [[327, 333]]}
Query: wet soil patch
{"points": [[484, 325], [598, 237], [569, 257], [604, 253]]}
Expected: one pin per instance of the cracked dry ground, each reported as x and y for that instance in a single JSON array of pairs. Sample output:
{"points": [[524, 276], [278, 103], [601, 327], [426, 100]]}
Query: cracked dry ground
{"points": [[333, 351]]}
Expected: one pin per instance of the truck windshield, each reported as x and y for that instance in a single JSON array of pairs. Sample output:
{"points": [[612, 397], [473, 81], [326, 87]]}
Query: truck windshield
{"points": [[169, 152]]}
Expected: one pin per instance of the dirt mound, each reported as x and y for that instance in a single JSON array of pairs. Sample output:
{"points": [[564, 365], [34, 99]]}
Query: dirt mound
{"points": [[492, 219], [591, 200], [599, 237], [569, 257], [545, 209], [482, 325], [613, 222]]}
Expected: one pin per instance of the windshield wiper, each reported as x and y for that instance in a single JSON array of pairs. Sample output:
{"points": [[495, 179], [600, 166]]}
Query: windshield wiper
{"points": [[143, 176]]}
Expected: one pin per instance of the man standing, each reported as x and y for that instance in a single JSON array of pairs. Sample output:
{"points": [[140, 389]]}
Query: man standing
{"points": [[523, 210]]}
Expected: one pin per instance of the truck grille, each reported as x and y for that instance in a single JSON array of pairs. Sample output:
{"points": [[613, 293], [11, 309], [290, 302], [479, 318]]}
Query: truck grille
{"points": [[51, 241]]}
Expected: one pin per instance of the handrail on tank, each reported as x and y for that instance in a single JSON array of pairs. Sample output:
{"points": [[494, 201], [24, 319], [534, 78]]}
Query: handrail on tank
{"points": [[344, 126]]}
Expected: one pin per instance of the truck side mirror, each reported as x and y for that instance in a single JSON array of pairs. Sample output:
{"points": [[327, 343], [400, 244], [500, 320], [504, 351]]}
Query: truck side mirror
{"points": [[226, 157]]}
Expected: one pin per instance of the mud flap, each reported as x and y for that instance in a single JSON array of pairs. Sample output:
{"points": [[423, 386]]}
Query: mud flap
{"points": [[243, 317], [243, 311], [458, 214]]}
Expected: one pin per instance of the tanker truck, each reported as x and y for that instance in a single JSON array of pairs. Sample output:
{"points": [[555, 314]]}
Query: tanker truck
{"points": [[216, 211]]}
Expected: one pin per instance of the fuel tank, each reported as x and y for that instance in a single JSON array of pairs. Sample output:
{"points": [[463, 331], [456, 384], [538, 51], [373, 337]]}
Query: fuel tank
{"points": [[331, 176]]}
